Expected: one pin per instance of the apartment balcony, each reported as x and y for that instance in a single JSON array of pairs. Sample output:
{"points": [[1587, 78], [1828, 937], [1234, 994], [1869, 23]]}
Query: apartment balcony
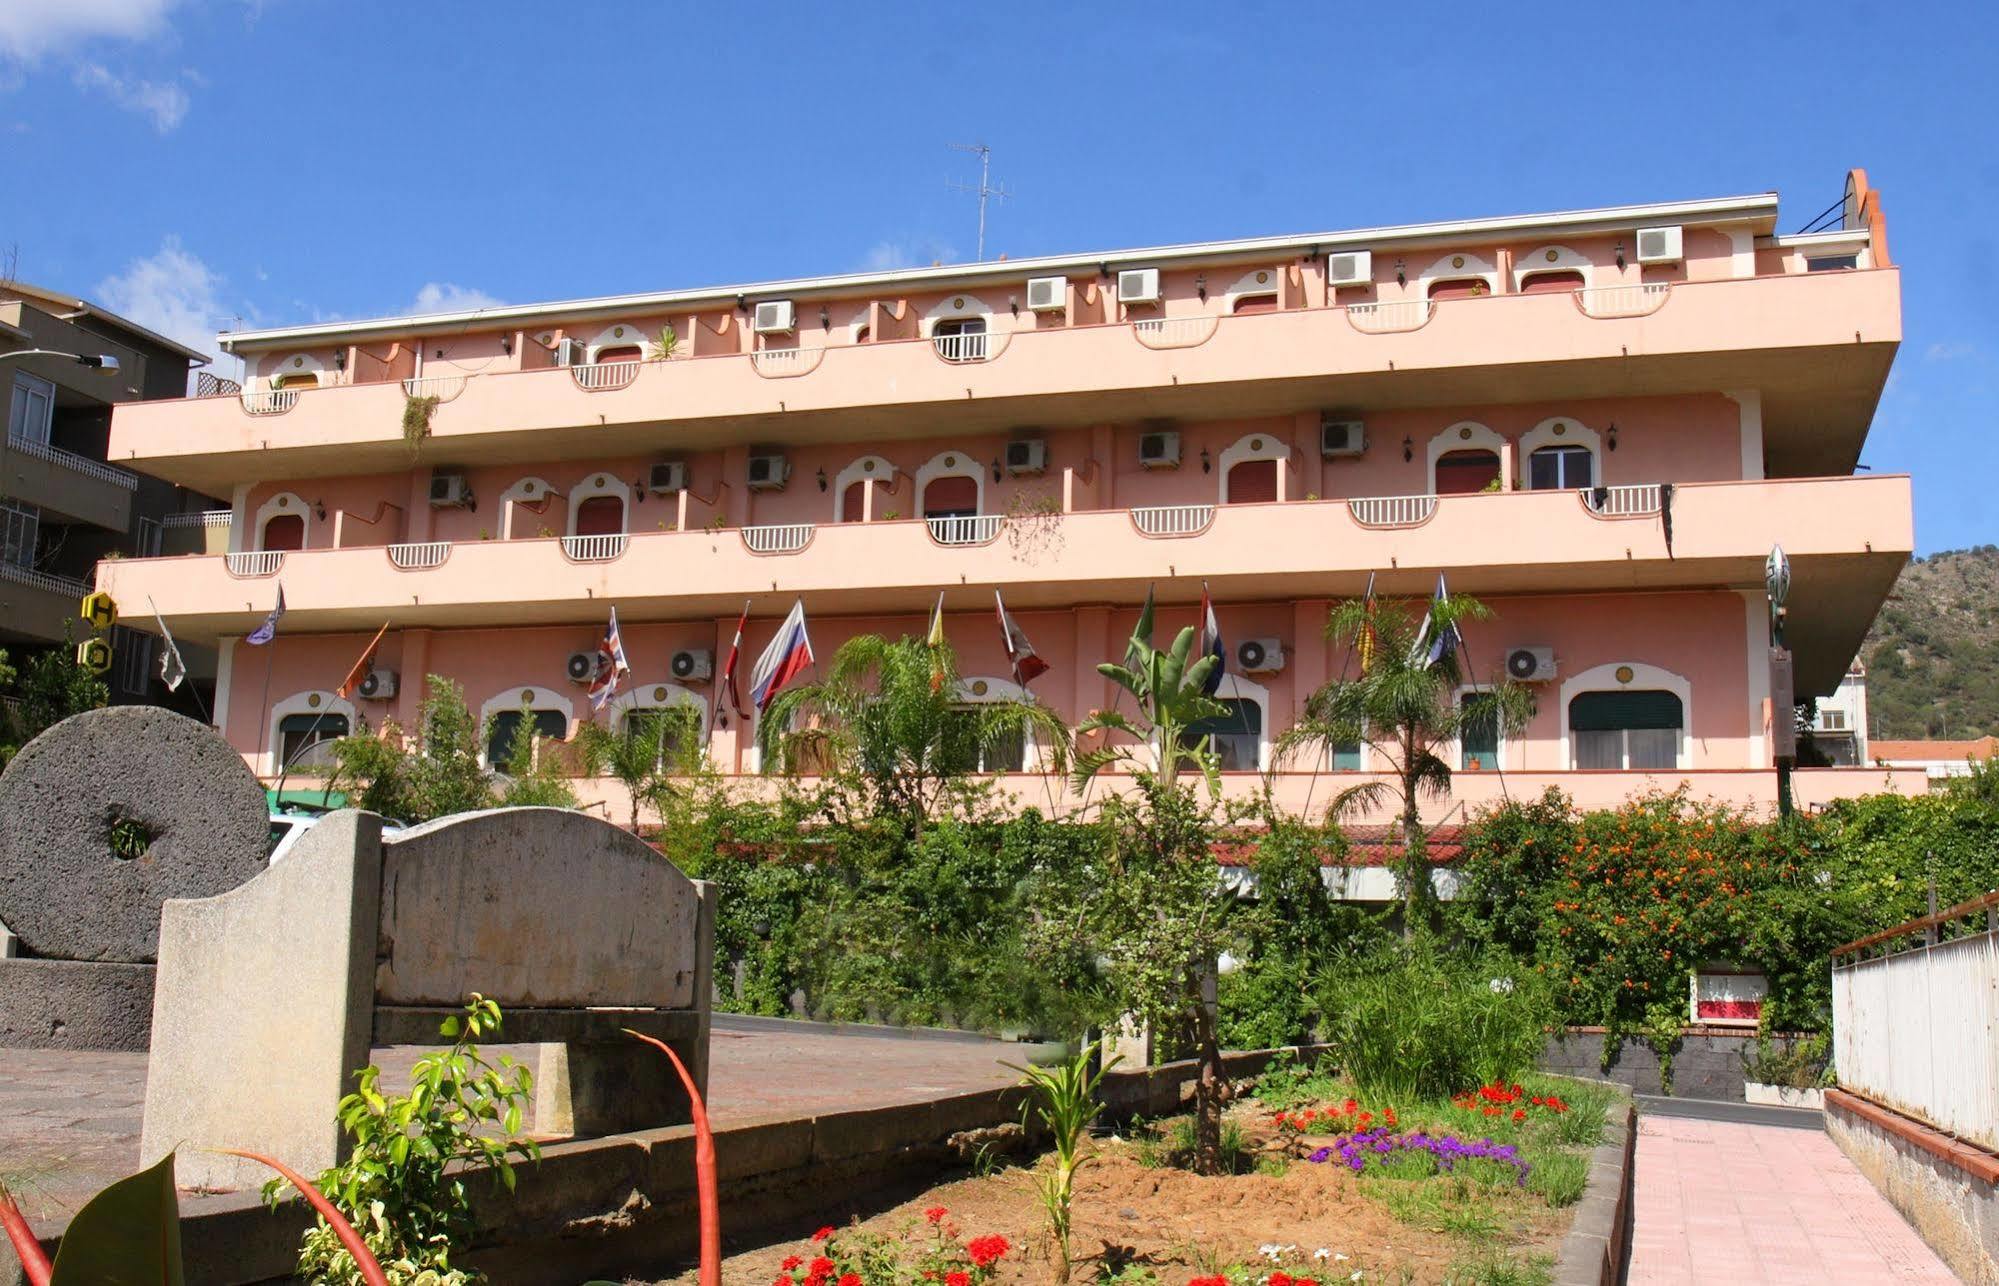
{"points": [[1846, 537], [62, 482], [1817, 345], [37, 606]]}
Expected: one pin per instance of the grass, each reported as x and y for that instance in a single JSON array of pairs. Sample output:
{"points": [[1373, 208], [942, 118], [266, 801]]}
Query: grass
{"points": [[1170, 1143], [1495, 1268]]}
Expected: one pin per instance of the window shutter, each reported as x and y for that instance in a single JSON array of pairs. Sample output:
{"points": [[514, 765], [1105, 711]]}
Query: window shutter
{"points": [[1615, 711]]}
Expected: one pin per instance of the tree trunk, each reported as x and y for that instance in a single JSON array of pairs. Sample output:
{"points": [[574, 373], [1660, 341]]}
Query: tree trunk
{"points": [[1415, 865], [1211, 1090]]}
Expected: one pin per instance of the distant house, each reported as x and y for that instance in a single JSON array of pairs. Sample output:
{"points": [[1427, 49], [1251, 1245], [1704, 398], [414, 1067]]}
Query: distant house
{"points": [[1940, 759]]}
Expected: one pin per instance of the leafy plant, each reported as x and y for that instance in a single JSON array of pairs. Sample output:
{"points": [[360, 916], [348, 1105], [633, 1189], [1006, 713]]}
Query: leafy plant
{"points": [[533, 777], [416, 420], [1802, 1063], [437, 776], [645, 750], [1065, 1101], [47, 688], [404, 1179], [663, 347]]}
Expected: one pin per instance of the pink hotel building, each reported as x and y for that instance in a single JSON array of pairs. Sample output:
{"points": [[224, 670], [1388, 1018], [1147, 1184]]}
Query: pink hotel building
{"points": [[1597, 421]]}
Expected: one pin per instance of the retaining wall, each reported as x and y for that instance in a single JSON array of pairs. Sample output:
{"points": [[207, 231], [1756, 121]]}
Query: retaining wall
{"points": [[1708, 1064], [1943, 1187]]}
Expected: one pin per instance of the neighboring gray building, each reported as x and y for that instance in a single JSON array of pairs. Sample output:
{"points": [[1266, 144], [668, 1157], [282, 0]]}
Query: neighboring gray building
{"points": [[62, 505]]}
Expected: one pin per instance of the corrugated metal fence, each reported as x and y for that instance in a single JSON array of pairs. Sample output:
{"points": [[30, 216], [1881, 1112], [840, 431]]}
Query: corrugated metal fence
{"points": [[1916, 1019]]}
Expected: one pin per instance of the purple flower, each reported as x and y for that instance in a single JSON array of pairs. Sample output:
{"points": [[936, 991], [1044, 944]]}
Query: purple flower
{"points": [[1447, 1150]]}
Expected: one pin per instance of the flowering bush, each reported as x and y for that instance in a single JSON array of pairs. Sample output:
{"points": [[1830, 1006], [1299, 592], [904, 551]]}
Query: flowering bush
{"points": [[1357, 1150], [1348, 1115], [1502, 1100], [929, 1253]]}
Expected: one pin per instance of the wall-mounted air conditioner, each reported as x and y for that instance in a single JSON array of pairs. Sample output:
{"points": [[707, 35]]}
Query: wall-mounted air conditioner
{"points": [[1530, 664], [1159, 449], [1260, 656], [667, 476], [1047, 294], [774, 317], [1350, 268], [450, 491], [1339, 437], [693, 665], [581, 667], [571, 352], [1659, 245], [1026, 456], [769, 472], [380, 685], [1138, 286]]}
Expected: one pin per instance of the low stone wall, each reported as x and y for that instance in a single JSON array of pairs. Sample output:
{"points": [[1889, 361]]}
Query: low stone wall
{"points": [[1593, 1252], [1943, 1187], [1708, 1064], [626, 1203]]}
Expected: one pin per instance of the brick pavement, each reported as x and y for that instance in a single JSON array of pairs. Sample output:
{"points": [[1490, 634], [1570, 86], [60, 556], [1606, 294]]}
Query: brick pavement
{"points": [[69, 1122], [1719, 1201]]}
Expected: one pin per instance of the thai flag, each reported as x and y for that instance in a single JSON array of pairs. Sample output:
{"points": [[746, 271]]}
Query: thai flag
{"points": [[1026, 665], [1211, 643], [784, 660], [611, 665], [729, 666]]}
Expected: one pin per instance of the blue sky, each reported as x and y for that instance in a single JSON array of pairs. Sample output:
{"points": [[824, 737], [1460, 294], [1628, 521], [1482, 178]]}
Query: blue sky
{"points": [[195, 162]]}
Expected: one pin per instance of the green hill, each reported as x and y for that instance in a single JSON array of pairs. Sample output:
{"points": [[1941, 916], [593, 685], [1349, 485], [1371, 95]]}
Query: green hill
{"points": [[1933, 654]]}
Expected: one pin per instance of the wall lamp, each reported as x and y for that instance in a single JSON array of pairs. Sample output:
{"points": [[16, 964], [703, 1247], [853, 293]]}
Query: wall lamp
{"points": [[742, 303], [1013, 304], [1610, 436], [996, 469], [822, 478], [96, 361], [1620, 254], [1401, 273], [1408, 449], [339, 359], [1207, 465], [507, 345], [1104, 271], [319, 510], [1201, 286], [825, 318]]}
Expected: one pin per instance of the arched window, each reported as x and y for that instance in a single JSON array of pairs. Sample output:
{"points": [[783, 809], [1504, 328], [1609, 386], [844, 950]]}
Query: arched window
{"points": [[962, 750], [1240, 737], [674, 716], [1552, 283], [623, 342], [282, 522], [1255, 292], [1459, 276], [1252, 482], [958, 328], [530, 494], [1550, 270], [951, 485], [1462, 473], [302, 729], [1250, 466], [299, 370], [1557, 468], [548, 712], [598, 504], [1629, 728], [850, 488]]}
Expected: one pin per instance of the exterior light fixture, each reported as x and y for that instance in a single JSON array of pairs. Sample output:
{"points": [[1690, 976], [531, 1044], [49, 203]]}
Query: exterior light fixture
{"points": [[95, 361], [1206, 465], [1104, 271], [1610, 436], [507, 345], [1777, 580], [319, 510], [1620, 254], [825, 318], [339, 359], [1408, 449], [1201, 286], [1401, 273], [996, 469], [822, 478], [1013, 304], [742, 303]]}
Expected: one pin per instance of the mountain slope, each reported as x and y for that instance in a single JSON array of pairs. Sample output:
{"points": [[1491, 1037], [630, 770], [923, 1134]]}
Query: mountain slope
{"points": [[1933, 654]]}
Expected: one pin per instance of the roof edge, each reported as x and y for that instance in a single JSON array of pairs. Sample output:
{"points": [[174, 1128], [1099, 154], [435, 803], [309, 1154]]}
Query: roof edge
{"points": [[83, 306]]}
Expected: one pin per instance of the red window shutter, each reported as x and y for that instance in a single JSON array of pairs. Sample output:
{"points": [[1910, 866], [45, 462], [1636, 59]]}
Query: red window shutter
{"points": [[1460, 473], [852, 500], [286, 531], [1253, 482], [1552, 283], [1256, 304], [943, 497], [600, 516]]}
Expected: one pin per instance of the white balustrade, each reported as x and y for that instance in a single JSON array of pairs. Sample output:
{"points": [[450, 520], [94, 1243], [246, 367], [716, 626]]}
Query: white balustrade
{"points": [[1173, 520], [204, 518], [1640, 501], [70, 460], [965, 346], [256, 562], [1392, 511], [785, 363], [441, 387], [597, 376], [1623, 301], [274, 401], [786, 538], [420, 555], [972, 529], [43, 580], [1390, 316], [594, 549], [1174, 332]]}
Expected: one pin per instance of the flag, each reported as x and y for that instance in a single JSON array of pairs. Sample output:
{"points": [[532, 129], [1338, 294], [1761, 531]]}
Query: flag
{"points": [[784, 660], [1367, 641], [729, 666], [362, 666], [936, 642], [1211, 643], [610, 665], [173, 670], [1141, 635], [269, 629], [1428, 650], [1026, 665]]}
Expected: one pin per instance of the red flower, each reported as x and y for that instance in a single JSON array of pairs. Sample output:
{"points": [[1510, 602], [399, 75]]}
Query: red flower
{"points": [[958, 1277], [986, 1251], [936, 1214], [1216, 1280], [792, 1263], [822, 1234], [820, 1267], [1492, 1111], [784, 1280], [1519, 1114], [1280, 1278], [849, 1279]]}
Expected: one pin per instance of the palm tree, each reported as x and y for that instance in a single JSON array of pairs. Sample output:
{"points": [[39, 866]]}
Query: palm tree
{"points": [[1404, 705], [891, 714], [644, 750]]}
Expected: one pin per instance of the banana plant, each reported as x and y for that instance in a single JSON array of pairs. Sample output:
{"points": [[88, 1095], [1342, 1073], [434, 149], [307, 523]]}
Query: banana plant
{"points": [[1169, 688]]}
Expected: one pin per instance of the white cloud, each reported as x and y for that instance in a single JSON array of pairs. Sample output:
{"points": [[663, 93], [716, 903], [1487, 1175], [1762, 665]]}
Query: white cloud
{"points": [[165, 101], [887, 256], [1950, 351], [446, 297], [172, 292], [30, 29]]}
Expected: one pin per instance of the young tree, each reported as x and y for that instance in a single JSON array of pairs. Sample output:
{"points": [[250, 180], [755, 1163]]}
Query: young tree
{"points": [[889, 716], [1405, 706], [439, 775], [532, 777], [645, 750], [48, 688]]}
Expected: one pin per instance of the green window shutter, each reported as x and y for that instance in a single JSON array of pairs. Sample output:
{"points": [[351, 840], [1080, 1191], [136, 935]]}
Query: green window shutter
{"points": [[1624, 709]]}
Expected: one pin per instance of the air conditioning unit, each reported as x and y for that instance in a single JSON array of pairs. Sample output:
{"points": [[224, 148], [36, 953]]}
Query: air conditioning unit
{"points": [[1047, 294], [1026, 455], [769, 472], [1138, 286], [581, 667], [1260, 656], [1530, 664], [449, 491], [1160, 450], [693, 665], [1659, 245], [667, 476], [380, 685], [774, 317], [571, 352], [1350, 268], [1341, 437]]}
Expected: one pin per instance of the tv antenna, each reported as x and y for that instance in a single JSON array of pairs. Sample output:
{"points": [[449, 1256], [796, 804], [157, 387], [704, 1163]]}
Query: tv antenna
{"points": [[985, 189]]}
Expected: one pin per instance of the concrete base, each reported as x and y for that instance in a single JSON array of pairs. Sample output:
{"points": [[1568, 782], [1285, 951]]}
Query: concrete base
{"points": [[1943, 1187], [1782, 1096], [75, 1004], [597, 1089]]}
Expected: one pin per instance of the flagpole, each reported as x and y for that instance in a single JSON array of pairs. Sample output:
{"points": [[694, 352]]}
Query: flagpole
{"points": [[173, 647], [264, 703]]}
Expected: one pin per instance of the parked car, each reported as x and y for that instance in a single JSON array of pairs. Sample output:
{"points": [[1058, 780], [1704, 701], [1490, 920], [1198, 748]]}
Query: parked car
{"points": [[290, 825]]}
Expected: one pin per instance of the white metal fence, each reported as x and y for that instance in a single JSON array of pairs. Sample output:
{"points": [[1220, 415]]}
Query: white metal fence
{"points": [[256, 562], [594, 549], [1389, 317], [1392, 511], [1623, 301], [1173, 520], [441, 387], [787, 538], [1637, 501], [1917, 1029], [1174, 332], [82, 464], [595, 376], [973, 529], [419, 555], [269, 401]]}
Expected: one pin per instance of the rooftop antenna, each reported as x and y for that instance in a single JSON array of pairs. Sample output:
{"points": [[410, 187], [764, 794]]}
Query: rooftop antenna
{"points": [[985, 188]]}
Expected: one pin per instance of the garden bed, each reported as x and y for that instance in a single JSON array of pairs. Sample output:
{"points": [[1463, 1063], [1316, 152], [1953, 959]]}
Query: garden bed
{"points": [[1327, 1188]]}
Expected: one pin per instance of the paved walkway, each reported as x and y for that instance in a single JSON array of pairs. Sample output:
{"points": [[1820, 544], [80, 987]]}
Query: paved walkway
{"points": [[69, 1122], [1726, 1201]]}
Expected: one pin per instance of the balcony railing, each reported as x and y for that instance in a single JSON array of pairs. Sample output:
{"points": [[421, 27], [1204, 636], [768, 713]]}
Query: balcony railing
{"points": [[965, 346], [420, 555], [1640, 501], [1173, 520], [82, 464], [441, 387], [594, 549], [787, 538], [43, 580], [1389, 317], [1609, 302], [971, 529], [274, 401], [205, 518], [1392, 511], [1175, 332], [784, 363], [598, 376], [259, 562]]}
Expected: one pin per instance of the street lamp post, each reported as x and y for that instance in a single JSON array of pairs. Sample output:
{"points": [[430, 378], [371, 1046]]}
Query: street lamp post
{"points": [[96, 361], [1783, 700]]}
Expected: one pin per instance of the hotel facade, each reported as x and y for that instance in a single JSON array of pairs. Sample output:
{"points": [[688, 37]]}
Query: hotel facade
{"points": [[1600, 422]]}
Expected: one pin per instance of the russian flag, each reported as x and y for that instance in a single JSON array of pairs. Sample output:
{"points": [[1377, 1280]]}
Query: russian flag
{"points": [[1211, 643], [784, 660]]}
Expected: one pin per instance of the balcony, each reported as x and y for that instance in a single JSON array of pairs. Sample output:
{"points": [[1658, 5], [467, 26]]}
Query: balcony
{"points": [[1847, 539], [1817, 345], [36, 605], [63, 482]]}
